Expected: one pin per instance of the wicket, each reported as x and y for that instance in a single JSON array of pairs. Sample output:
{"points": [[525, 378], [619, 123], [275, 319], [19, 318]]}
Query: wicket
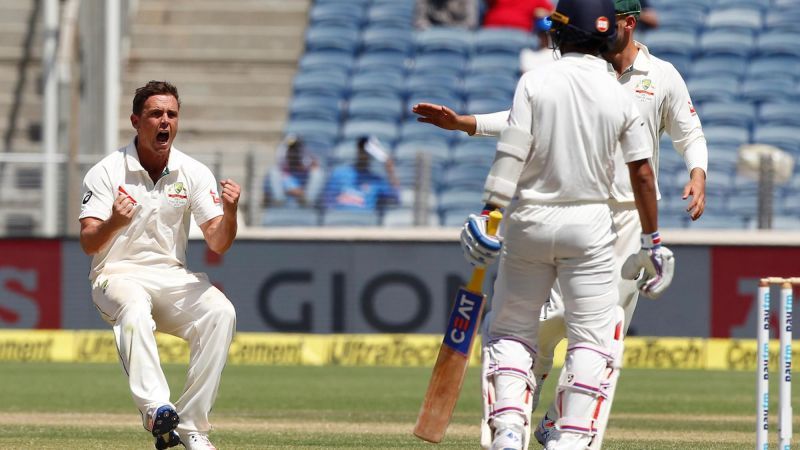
{"points": [[785, 366]]}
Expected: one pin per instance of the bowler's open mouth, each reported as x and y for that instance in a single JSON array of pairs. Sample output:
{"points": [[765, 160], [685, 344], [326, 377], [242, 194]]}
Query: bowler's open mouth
{"points": [[162, 137]]}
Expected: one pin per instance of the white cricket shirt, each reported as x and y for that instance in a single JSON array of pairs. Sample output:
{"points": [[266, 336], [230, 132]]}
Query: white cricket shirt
{"points": [[157, 234], [664, 104], [577, 115]]}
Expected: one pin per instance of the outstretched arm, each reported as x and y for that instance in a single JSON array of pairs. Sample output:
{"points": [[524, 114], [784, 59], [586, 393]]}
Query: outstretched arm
{"points": [[444, 117]]}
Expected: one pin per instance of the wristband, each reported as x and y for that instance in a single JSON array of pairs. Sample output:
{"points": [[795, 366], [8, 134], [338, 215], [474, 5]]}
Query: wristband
{"points": [[651, 240]]}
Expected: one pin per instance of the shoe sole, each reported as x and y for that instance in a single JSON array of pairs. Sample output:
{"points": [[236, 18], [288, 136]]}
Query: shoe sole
{"points": [[164, 424]]}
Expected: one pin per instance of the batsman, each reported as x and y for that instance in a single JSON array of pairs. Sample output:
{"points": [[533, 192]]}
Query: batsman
{"points": [[556, 158]]}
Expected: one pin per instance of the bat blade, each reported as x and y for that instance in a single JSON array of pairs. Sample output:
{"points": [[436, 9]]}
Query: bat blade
{"points": [[450, 369], [451, 364]]}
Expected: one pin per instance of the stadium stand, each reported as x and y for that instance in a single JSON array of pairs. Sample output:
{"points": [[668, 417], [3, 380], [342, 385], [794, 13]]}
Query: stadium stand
{"points": [[739, 59]]}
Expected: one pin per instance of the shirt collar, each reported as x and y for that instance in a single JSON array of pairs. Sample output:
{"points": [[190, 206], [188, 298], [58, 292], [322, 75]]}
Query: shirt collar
{"points": [[642, 63], [575, 55], [134, 164]]}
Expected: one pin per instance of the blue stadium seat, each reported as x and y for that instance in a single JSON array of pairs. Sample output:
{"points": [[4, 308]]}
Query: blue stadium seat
{"points": [[337, 14], [726, 135], [738, 43], [444, 40], [778, 42], [408, 199], [718, 65], [469, 177], [494, 63], [669, 161], [479, 150], [348, 218], [502, 40], [723, 161], [385, 60], [495, 85], [411, 130], [381, 108], [451, 101], [672, 42], [717, 221], [778, 66], [488, 105], [391, 15], [321, 130], [774, 89], [735, 114], [378, 83], [789, 205], [784, 17], [460, 199], [431, 83], [385, 130], [329, 82], [670, 5], [685, 20], [438, 151], [290, 217], [377, 39], [737, 18], [326, 60], [315, 107], [669, 219], [343, 153], [721, 89], [760, 4], [440, 63], [780, 114], [322, 38], [782, 136]]}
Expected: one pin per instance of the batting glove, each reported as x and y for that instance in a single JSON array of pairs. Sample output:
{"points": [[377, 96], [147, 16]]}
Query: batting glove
{"points": [[653, 266], [480, 248]]}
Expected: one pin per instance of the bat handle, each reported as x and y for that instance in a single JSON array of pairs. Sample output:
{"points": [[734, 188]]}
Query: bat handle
{"points": [[494, 222], [476, 281]]}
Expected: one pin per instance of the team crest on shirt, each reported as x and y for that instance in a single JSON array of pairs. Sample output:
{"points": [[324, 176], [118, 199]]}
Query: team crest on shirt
{"points": [[177, 195], [645, 89]]}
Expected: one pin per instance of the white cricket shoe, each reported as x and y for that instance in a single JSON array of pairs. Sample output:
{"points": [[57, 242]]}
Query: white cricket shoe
{"points": [[195, 440], [507, 439]]}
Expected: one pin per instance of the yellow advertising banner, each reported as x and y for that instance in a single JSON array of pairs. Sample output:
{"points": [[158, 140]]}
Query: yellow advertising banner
{"points": [[406, 350]]}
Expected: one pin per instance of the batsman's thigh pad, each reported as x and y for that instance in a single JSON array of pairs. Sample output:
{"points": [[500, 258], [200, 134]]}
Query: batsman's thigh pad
{"points": [[580, 388], [506, 385], [118, 297], [552, 330]]}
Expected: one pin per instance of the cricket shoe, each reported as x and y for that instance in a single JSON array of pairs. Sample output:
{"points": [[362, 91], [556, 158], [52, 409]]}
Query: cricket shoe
{"points": [[545, 430], [162, 422], [194, 440], [507, 439]]}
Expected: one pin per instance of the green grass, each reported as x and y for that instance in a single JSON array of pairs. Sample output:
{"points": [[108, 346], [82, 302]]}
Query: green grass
{"points": [[341, 407]]}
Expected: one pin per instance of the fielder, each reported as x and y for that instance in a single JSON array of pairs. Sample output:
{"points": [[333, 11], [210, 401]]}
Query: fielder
{"points": [[665, 105], [556, 158], [134, 220]]}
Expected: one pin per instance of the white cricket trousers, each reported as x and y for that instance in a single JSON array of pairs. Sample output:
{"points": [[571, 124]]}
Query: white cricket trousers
{"points": [[136, 302], [551, 322], [571, 243]]}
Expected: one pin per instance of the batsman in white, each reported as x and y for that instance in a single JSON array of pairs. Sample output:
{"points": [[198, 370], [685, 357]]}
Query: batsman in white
{"points": [[556, 158], [134, 221], [665, 105]]}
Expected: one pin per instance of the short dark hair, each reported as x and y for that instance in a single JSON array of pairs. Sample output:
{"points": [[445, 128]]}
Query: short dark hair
{"points": [[150, 89]]}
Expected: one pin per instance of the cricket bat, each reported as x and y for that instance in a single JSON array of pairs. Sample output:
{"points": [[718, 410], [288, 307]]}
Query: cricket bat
{"points": [[451, 364]]}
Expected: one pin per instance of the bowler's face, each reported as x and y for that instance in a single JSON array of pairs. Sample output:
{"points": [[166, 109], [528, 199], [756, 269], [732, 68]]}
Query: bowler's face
{"points": [[158, 124]]}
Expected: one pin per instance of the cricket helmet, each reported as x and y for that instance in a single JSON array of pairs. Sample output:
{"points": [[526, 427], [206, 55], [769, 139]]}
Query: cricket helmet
{"points": [[583, 21]]}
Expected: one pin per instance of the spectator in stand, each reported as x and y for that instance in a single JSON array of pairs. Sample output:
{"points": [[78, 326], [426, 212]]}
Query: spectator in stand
{"points": [[297, 178], [446, 13], [529, 58], [356, 187], [514, 13]]}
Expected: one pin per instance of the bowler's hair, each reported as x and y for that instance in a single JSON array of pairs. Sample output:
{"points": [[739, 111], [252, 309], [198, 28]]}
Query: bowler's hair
{"points": [[150, 89]]}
